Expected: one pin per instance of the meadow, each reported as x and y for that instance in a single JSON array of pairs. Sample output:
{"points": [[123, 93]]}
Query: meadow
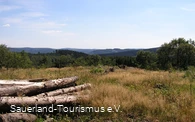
{"points": [[141, 95]]}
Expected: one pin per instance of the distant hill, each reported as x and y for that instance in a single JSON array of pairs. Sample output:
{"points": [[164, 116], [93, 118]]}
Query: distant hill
{"points": [[70, 52], [102, 52], [48, 50], [87, 51], [32, 50], [107, 51], [130, 52]]}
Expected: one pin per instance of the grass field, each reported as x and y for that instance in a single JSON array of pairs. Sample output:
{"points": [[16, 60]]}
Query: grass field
{"points": [[139, 94]]}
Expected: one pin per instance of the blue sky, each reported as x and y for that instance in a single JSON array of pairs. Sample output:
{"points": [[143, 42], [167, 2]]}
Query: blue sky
{"points": [[95, 23]]}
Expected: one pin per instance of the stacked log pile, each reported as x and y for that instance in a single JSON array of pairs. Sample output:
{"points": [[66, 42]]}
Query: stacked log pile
{"points": [[38, 92]]}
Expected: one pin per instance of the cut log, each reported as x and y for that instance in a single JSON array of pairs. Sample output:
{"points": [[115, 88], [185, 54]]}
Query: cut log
{"points": [[32, 101], [65, 90], [37, 88], [15, 82], [38, 80], [5, 83], [16, 117], [30, 80]]}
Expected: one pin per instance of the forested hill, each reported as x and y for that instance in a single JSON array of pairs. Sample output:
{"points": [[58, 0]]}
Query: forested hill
{"points": [[48, 50], [68, 52], [108, 51], [177, 54], [32, 50], [130, 52], [103, 52]]}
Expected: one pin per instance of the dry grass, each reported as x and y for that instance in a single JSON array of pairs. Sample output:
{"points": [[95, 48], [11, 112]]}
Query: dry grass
{"points": [[135, 90]]}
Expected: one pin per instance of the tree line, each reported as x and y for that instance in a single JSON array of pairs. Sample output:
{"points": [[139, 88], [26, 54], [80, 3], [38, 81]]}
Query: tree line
{"points": [[177, 54]]}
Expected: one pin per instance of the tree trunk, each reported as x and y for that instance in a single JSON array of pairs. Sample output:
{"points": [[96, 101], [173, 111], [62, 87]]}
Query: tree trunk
{"points": [[15, 82], [37, 80], [32, 101], [36, 88], [64, 90], [11, 83], [16, 117], [23, 81]]}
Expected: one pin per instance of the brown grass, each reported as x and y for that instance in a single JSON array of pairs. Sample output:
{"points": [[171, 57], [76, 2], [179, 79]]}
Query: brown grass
{"points": [[133, 89]]}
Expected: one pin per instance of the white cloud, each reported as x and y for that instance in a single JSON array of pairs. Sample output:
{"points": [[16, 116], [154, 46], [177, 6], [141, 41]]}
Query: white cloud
{"points": [[30, 4], [33, 24], [51, 31], [187, 9], [58, 32], [33, 14], [47, 25], [69, 34], [8, 8], [6, 25], [11, 20], [62, 24], [53, 24], [42, 18]]}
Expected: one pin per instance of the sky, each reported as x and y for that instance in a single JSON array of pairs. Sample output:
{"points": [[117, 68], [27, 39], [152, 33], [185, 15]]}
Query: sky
{"points": [[95, 24]]}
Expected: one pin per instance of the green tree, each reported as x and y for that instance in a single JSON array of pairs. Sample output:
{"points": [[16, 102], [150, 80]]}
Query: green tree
{"points": [[93, 60], [165, 55], [24, 60], [13, 60], [80, 62], [125, 60], [64, 60], [179, 54], [108, 61], [3, 55], [17, 60], [146, 60]]}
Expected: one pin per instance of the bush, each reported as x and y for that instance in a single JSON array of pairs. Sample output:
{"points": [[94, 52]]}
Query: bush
{"points": [[96, 70]]}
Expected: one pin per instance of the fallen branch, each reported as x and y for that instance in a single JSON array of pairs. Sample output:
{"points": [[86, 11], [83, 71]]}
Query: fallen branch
{"points": [[16, 117], [36, 88], [64, 90], [32, 101]]}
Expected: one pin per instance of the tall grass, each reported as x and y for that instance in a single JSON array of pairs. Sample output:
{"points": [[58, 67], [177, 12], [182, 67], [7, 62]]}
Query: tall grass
{"points": [[141, 94]]}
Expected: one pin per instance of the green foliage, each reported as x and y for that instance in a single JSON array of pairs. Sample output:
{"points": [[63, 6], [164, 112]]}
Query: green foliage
{"points": [[93, 60], [108, 61], [40, 119], [69, 52], [24, 60], [80, 62], [147, 60], [64, 60], [14, 60], [190, 73], [129, 61], [96, 70], [4, 53], [41, 60], [179, 54], [18, 60]]}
